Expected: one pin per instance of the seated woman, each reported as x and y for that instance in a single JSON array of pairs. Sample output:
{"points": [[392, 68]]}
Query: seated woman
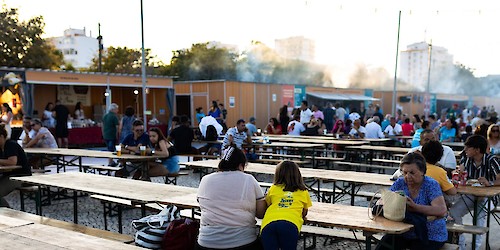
{"points": [[11, 154], [423, 197], [42, 138], [163, 148], [229, 201], [274, 127], [312, 128]]}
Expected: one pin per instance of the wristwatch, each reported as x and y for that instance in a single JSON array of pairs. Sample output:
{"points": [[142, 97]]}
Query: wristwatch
{"points": [[152, 152], [126, 146]]}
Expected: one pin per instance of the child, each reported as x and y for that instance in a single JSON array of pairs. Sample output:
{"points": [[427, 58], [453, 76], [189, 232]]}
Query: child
{"points": [[287, 201]]}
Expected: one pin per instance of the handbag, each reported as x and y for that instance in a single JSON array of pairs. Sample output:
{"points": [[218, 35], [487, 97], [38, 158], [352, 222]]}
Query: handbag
{"points": [[150, 229], [393, 208]]}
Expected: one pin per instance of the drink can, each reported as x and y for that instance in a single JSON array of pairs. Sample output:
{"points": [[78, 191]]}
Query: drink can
{"points": [[455, 179]]}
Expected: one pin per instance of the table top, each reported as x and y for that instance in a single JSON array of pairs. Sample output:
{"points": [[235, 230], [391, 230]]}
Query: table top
{"points": [[479, 191], [353, 217], [306, 139], [287, 144], [86, 153], [8, 168], [21, 234], [136, 190], [381, 148], [322, 174]]}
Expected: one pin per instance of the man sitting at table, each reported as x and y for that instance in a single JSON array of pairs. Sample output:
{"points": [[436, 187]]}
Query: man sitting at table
{"points": [[373, 129], [130, 145], [28, 131], [11, 154], [393, 129], [357, 131], [447, 161], [485, 169], [237, 135], [42, 138], [295, 127]]}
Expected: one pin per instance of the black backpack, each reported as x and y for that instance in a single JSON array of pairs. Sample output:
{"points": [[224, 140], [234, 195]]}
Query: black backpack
{"points": [[211, 133]]}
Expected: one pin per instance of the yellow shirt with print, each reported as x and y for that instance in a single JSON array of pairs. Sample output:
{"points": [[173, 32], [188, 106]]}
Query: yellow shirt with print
{"points": [[439, 174], [285, 205]]}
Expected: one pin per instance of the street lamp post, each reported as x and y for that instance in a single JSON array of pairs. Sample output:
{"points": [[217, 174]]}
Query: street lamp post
{"points": [[394, 93], [143, 74]]}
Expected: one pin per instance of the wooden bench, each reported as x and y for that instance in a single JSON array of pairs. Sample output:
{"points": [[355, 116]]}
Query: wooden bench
{"points": [[171, 178], [112, 204], [276, 161], [326, 193], [99, 169], [40, 196], [357, 166], [67, 225], [200, 156], [454, 230], [387, 161]]}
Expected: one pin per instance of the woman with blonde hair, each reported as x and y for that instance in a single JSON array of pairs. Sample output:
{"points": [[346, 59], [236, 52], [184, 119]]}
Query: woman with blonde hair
{"points": [[494, 139]]}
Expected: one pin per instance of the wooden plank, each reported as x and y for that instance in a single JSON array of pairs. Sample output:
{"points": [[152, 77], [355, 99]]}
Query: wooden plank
{"points": [[32, 218], [13, 241], [64, 238], [470, 229]]}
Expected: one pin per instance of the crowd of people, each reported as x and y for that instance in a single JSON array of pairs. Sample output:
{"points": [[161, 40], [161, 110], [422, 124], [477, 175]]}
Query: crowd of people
{"points": [[231, 199]]}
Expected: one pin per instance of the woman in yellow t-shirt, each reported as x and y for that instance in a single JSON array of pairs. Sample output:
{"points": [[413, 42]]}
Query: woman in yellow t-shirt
{"points": [[287, 201]]}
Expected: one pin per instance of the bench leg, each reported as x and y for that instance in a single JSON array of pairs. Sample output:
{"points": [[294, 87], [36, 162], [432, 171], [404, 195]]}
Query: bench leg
{"points": [[38, 201], [21, 196], [120, 229]]}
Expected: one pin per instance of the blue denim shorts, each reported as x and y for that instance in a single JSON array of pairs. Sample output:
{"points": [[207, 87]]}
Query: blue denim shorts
{"points": [[171, 164]]}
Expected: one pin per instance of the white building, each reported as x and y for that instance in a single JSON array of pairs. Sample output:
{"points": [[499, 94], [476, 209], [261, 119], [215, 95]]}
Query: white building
{"points": [[414, 65], [77, 48], [297, 47]]}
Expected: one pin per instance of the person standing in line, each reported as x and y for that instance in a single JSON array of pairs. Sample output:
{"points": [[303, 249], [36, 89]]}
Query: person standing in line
{"points": [[329, 113], [284, 119], [339, 112], [317, 113], [48, 120], [223, 112], [110, 131], [215, 112], [305, 113], [79, 113], [61, 113], [126, 123], [287, 204], [7, 117], [199, 114]]}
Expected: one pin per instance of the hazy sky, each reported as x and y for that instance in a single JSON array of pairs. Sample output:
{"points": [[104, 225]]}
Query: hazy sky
{"points": [[346, 32]]}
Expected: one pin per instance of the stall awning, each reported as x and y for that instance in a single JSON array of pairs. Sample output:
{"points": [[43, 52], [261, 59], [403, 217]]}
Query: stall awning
{"points": [[342, 97]]}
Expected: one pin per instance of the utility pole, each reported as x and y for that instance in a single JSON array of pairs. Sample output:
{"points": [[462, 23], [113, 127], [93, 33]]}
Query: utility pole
{"points": [[394, 93], [427, 104], [99, 39]]}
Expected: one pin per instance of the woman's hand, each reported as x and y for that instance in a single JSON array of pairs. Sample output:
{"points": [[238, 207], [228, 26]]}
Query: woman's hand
{"points": [[410, 203]]}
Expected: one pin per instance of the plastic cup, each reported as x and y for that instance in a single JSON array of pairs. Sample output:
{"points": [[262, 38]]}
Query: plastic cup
{"points": [[143, 150], [118, 150]]}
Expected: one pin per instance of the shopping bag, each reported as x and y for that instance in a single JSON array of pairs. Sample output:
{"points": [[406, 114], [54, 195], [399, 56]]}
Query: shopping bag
{"points": [[150, 229]]}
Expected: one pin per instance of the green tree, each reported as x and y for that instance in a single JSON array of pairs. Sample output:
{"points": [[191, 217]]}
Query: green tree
{"points": [[203, 62], [465, 81], [21, 43], [123, 60]]}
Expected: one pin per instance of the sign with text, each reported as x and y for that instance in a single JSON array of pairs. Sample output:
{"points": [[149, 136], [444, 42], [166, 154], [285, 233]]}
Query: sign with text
{"points": [[70, 94]]}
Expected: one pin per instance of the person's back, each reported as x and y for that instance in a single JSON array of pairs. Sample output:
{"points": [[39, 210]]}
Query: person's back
{"points": [[182, 137], [229, 201], [288, 201], [126, 129]]}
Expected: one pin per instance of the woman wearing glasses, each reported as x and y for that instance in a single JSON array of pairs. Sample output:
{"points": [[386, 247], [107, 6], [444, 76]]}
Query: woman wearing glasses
{"points": [[494, 139]]}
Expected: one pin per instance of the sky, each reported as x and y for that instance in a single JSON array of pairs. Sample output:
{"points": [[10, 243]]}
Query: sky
{"points": [[347, 33]]}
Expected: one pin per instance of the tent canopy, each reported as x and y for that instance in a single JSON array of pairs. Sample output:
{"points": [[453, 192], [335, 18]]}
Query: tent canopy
{"points": [[342, 97]]}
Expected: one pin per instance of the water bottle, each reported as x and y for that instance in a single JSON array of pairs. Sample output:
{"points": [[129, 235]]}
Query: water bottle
{"points": [[266, 139]]}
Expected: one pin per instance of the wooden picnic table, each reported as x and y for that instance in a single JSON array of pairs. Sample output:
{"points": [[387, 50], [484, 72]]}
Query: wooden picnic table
{"points": [[353, 217], [354, 179], [479, 193], [79, 153], [141, 192], [22, 234]]}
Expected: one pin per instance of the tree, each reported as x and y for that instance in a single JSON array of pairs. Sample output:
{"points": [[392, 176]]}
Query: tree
{"points": [[123, 60], [203, 62], [465, 81], [21, 43]]}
